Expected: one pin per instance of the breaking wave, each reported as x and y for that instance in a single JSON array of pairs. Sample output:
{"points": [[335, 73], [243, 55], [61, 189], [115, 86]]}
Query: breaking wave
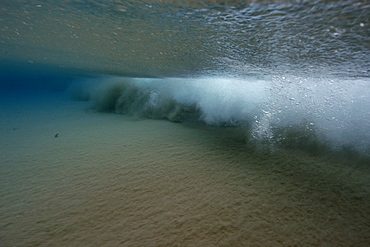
{"points": [[315, 114]]}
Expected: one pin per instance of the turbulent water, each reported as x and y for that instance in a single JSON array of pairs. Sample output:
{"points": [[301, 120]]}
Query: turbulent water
{"points": [[276, 66], [252, 94]]}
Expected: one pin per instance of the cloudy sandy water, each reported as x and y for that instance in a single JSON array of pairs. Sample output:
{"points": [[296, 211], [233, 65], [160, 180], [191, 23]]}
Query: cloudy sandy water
{"points": [[110, 180]]}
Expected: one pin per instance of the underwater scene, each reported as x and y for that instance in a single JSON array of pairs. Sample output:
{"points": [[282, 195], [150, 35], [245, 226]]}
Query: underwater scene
{"points": [[185, 123]]}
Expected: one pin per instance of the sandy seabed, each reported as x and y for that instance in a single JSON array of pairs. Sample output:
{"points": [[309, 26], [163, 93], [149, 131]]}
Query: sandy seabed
{"points": [[112, 180]]}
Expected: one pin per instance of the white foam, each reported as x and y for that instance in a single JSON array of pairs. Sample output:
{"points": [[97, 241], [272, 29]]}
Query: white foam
{"points": [[336, 109], [221, 100]]}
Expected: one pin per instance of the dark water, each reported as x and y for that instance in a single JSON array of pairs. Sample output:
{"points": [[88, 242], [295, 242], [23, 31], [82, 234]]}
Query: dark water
{"points": [[291, 73]]}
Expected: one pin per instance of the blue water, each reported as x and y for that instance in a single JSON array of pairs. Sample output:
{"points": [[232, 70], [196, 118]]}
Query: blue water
{"points": [[291, 74], [192, 123]]}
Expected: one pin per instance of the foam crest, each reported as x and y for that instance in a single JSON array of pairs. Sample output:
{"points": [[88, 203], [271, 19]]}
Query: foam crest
{"points": [[222, 100], [289, 110], [215, 101], [334, 110]]}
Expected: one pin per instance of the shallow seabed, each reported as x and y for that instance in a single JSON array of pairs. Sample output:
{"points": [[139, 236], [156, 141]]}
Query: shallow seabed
{"points": [[242, 79], [113, 180]]}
